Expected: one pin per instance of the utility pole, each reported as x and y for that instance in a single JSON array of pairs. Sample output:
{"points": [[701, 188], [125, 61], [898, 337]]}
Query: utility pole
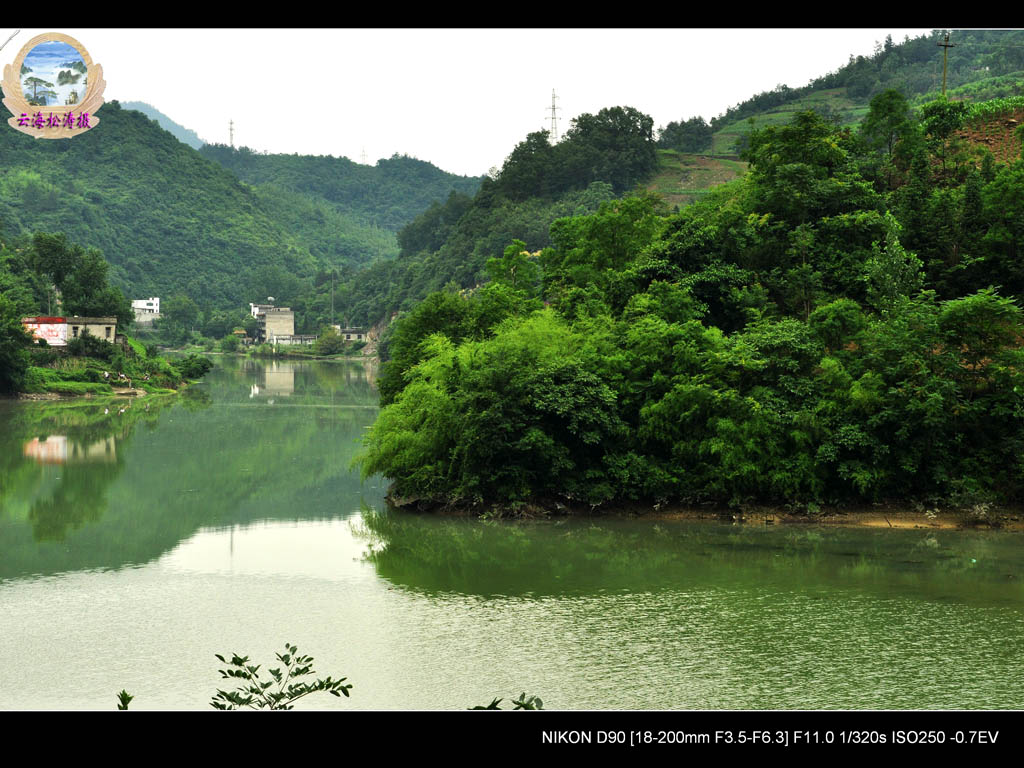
{"points": [[945, 46], [231, 132], [554, 118]]}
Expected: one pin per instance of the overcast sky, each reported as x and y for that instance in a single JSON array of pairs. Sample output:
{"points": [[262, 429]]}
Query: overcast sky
{"points": [[461, 99]]}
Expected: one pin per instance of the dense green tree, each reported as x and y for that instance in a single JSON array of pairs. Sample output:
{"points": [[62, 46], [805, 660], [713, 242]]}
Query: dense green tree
{"points": [[887, 121], [693, 135], [88, 294], [14, 342]]}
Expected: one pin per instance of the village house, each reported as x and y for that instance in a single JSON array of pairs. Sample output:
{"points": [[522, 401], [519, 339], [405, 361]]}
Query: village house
{"points": [[146, 310], [351, 334], [58, 331]]}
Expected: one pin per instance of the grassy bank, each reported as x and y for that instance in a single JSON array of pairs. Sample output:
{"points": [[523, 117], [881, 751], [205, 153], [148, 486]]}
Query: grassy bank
{"points": [[94, 368]]}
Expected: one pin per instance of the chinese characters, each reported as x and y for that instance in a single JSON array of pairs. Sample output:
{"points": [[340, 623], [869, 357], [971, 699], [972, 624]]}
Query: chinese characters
{"points": [[67, 120]]}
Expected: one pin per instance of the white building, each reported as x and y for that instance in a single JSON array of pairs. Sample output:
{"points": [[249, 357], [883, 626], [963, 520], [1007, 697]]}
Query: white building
{"points": [[146, 310]]}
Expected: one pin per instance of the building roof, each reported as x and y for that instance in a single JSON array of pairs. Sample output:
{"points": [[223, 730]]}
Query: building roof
{"points": [[75, 319], [43, 320]]}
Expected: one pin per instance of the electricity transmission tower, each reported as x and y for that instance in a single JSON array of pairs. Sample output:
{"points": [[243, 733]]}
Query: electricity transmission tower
{"points": [[231, 132], [554, 117]]}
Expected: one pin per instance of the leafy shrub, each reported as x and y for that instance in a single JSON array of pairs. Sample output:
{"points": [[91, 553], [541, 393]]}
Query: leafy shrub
{"points": [[88, 345], [230, 343], [254, 693], [192, 367]]}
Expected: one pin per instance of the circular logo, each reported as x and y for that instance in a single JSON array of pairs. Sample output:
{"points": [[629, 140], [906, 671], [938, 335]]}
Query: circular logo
{"points": [[53, 89]]}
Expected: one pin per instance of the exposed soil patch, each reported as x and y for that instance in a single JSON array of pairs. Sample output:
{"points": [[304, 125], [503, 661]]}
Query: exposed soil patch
{"points": [[998, 135]]}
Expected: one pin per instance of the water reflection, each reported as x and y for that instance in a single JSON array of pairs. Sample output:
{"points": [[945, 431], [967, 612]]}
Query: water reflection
{"points": [[276, 379], [86, 484], [434, 556], [58, 449], [71, 452]]}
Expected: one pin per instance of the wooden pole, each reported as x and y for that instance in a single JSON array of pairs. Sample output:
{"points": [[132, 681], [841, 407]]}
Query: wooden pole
{"points": [[945, 46]]}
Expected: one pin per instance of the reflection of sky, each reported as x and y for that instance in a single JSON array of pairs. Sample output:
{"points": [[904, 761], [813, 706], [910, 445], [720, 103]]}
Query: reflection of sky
{"points": [[45, 62]]}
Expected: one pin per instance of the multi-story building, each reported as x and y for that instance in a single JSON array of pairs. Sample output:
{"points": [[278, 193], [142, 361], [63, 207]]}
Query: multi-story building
{"points": [[276, 324], [146, 310]]}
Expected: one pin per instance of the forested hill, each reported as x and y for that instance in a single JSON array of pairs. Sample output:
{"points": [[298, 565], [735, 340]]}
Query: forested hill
{"points": [[387, 195], [599, 159], [172, 222], [984, 64], [180, 132], [840, 326]]}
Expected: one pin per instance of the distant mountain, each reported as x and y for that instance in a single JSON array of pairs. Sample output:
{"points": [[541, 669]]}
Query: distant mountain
{"points": [[387, 195], [180, 132]]}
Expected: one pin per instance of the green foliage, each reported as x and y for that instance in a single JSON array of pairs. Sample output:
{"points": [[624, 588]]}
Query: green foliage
{"points": [[255, 693], [388, 195], [977, 112], [230, 343], [891, 272], [14, 342], [192, 366], [693, 135], [87, 345], [600, 157], [523, 702], [169, 219], [985, 64], [798, 336], [330, 342], [124, 699]]}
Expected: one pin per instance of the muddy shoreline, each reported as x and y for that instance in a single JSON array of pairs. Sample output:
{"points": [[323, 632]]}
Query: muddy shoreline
{"points": [[883, 516]]}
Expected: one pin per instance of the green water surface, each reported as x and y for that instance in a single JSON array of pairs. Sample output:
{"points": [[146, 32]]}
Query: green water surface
{"points": [[135, 545]]}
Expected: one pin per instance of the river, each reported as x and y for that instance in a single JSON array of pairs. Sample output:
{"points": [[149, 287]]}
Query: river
{"points": [[135, 545]]}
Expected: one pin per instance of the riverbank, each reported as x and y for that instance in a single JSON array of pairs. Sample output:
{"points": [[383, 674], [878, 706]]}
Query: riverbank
{"points": [[887, 516], [106, 371]]}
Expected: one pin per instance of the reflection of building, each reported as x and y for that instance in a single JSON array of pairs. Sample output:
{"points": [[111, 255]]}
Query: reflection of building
{"points": [[275, 379], [57, 449], [146, 310]]}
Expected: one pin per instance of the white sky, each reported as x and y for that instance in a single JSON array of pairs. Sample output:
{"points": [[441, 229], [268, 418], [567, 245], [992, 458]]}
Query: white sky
{"points": [[461, 99]]}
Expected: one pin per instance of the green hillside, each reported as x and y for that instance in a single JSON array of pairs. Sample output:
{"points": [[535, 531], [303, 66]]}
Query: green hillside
{"points": [[600, 158], [684, 178], [982, 65], [387, 195], [170, 221]]}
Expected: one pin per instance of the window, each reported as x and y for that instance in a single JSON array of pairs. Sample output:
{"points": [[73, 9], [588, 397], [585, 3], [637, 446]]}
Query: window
{"points": [[74, 331], [108, 331]]}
